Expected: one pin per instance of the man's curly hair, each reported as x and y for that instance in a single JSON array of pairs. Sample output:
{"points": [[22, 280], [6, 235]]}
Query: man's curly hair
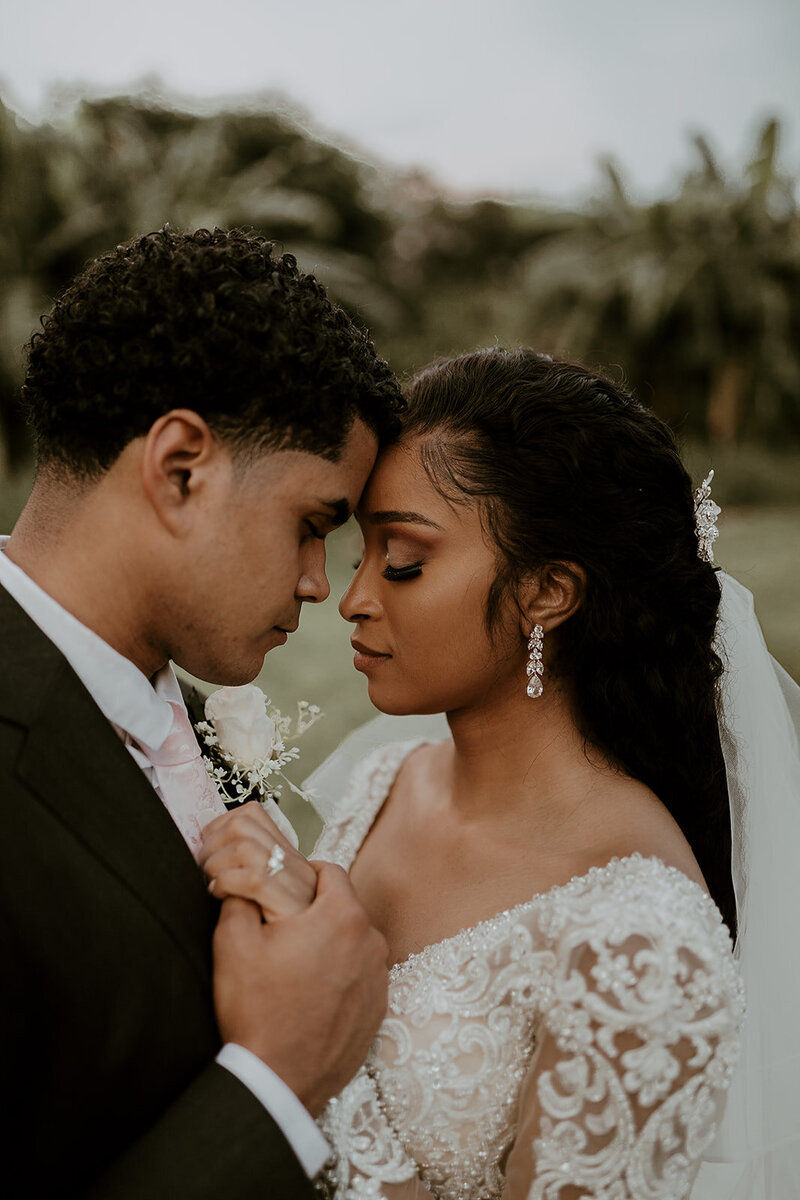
{"points": [[211, 321]]}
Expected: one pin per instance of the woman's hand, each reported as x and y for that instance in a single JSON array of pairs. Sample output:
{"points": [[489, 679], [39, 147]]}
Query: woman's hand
{"points": [[238, 849]]}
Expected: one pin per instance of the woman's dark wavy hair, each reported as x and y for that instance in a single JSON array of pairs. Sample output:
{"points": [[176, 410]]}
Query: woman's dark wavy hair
{"points": [[212, 321], [570, 468]]}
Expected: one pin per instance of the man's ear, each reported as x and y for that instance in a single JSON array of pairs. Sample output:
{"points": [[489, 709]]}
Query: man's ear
{"points": [[179, 457], [552, 595]]}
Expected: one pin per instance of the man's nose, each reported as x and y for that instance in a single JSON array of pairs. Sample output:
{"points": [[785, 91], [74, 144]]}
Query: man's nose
{"points": [[313, 585]]}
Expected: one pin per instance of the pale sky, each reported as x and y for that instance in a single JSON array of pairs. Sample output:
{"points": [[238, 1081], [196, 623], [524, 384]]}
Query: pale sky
{"points": [[486, 95]]}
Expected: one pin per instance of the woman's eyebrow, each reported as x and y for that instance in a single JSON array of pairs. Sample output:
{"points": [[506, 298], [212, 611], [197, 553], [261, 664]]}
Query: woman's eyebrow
{"points": [[389, 516]]}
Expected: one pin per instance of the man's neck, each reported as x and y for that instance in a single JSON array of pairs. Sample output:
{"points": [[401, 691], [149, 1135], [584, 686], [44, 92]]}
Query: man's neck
{"points": [[70, 548]]}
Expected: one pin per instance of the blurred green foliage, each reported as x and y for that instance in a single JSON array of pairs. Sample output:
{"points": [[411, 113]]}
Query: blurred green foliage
{"points": [[115, 168], [697, 296]]}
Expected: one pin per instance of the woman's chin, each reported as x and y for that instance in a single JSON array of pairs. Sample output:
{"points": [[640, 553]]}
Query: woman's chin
{"points": [[396, 705]]}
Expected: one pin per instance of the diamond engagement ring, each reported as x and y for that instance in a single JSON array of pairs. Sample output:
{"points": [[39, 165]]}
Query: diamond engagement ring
{"points": [[276, 860]]}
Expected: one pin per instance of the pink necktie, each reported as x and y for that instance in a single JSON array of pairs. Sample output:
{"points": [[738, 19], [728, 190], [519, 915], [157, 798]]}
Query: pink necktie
{"points": [[189, 794]]}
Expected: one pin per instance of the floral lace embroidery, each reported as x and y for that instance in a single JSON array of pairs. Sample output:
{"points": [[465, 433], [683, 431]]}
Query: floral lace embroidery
{"points": [[625, 974]]}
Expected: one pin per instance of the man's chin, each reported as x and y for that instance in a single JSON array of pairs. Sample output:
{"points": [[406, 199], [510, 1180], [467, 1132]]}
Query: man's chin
{"points": [[237, 667], [227, 674]]}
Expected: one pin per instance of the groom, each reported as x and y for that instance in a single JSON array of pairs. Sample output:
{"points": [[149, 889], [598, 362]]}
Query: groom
{"points": [[203, 417]]}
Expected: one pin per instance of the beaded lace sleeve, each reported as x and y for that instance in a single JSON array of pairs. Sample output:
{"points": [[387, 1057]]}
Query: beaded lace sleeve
{"points": [[367, 788], [636, 1045], [576, 1046]]}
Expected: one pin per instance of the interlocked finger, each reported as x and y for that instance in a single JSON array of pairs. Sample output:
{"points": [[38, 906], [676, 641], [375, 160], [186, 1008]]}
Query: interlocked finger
{"points": [[248, 822], [286, 899], [280, 880]]}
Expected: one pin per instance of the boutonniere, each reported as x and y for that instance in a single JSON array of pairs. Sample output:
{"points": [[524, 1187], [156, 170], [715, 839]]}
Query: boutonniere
{"points": [[246, 743]]}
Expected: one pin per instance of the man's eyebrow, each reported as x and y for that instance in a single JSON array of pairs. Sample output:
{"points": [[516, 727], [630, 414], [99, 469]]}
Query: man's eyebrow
{"points": [[340, 510], [389, 516]]}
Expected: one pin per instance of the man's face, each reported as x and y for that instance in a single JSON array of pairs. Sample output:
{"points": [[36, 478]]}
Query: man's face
{"points": [[256, 552]]}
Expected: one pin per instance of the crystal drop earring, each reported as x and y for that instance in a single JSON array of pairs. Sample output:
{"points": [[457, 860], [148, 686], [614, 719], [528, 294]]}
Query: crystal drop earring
{"points": [[535, 667]]}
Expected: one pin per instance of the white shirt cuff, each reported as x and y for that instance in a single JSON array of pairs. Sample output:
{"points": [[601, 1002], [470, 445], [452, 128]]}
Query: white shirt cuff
{"points": [[295, 1122]]}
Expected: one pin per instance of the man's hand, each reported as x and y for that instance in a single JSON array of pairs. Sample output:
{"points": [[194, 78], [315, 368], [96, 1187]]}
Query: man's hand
{"points": [[305, 993], [236, 853]]}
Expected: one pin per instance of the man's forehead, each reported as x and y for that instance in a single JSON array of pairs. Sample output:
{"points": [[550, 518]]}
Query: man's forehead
{"points": [[356, 461]]}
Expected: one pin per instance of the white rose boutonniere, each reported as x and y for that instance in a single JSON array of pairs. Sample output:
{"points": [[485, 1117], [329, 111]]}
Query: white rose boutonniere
{"points": [[243, 728], [245, 747]]}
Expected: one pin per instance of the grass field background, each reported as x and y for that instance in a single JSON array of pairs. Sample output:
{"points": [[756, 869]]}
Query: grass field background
{"points": [[760, 546]]}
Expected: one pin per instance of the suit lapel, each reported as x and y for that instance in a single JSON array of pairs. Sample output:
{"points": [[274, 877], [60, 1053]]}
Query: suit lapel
{"points": [[76, 764]]}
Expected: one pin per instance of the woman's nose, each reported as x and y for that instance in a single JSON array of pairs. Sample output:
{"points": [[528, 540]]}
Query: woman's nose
{"points": [[356, 604]]}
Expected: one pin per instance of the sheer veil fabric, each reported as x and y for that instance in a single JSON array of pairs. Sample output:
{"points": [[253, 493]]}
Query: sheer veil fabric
{"points": [[756, 1152]]}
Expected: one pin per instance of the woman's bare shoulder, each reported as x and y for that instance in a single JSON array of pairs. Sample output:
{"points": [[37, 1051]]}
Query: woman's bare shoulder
{"points": [[632, 820]]}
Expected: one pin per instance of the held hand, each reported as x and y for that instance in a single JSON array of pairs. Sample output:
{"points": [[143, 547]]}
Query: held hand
{"points": [[307, 993], [239, 859]]}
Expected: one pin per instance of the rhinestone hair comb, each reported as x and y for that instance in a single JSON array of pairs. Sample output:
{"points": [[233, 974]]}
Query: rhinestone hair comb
{"points": [[705, 519]]}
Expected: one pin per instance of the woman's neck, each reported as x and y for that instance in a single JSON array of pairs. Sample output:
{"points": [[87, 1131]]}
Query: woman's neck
{"points": [[518, 758]]}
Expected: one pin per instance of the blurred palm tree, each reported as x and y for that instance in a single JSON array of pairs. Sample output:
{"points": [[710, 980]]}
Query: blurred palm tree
{"points": [[26, 214], [118, 167], [698, 296]]}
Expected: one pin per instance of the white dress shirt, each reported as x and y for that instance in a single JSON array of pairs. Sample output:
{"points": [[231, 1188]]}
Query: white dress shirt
{"points": [[140, 710]]}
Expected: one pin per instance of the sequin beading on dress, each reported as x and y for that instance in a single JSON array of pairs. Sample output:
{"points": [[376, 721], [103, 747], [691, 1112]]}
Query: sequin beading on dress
{"points": [[578, 1044]]}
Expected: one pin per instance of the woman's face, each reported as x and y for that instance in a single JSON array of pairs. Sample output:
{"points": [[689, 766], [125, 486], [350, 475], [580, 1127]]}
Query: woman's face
{"points": [[418, 598]]}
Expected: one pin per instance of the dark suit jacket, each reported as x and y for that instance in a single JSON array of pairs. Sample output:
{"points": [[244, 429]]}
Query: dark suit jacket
{"points": [[107, 1032]]}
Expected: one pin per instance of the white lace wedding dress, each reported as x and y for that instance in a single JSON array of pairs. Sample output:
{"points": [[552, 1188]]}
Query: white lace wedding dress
{"points": [[577, 1045]]}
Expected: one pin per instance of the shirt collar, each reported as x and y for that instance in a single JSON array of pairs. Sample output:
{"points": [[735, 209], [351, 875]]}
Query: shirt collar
{"points": [[124, 695]]}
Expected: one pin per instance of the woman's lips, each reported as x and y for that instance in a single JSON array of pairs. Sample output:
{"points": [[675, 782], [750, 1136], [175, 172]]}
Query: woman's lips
{"points": [[365, 657]]}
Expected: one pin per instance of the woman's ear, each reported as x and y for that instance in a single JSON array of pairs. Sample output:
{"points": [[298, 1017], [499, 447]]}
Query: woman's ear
{"points": [[179, 457], [552, 595]]}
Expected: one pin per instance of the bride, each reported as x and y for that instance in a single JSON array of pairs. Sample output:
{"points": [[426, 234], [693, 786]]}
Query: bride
{"points": [[553, 870]]}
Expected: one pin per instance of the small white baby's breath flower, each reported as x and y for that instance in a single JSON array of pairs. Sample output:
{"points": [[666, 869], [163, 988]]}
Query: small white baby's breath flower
{"points": [[240, 721]]}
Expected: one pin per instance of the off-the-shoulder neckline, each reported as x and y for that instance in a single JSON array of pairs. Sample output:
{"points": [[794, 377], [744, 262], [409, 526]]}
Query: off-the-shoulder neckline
{"points": [[376, 796], [581, 880]]}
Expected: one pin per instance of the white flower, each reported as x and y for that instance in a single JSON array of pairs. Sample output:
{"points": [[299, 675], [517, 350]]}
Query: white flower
{"points": [[241, 723]]}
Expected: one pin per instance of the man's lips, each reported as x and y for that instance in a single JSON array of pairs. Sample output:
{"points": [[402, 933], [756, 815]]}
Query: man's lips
{"points": [[282, 632]]}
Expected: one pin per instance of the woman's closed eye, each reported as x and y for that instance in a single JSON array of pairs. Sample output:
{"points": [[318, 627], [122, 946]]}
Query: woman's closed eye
{"points": [[396, 574]]}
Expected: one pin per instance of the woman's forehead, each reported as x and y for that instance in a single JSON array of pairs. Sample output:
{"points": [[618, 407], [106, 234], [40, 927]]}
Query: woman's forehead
{"points": [[399, 471], [401, 490]]}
